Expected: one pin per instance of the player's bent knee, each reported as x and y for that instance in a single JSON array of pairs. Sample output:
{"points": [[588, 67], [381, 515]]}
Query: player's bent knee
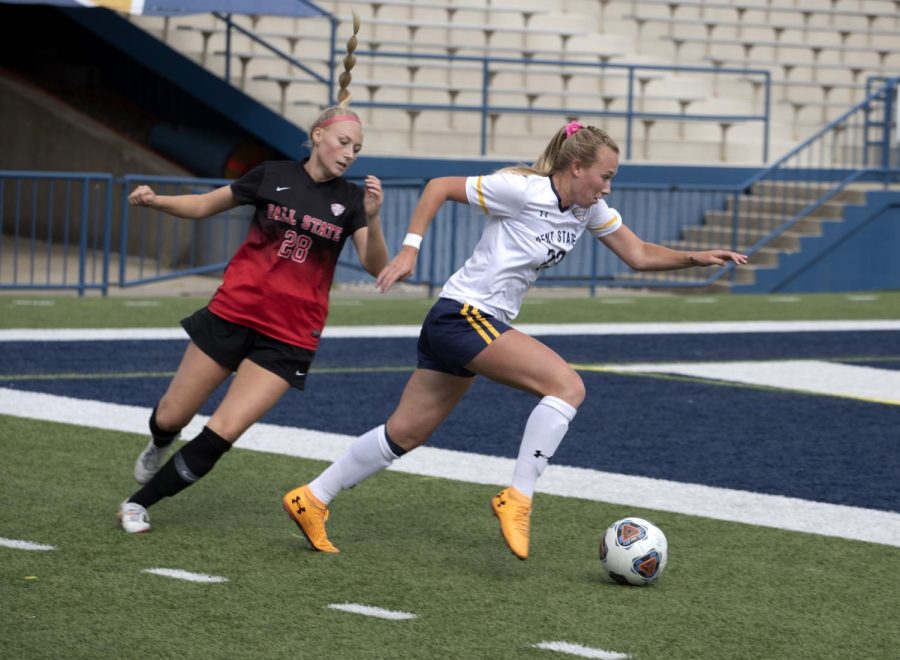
{"points": [[171, 417], [407, 436], [571, 389]]}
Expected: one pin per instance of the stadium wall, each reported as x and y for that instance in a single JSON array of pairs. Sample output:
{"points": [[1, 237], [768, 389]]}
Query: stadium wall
{"points": [[40, 132]]}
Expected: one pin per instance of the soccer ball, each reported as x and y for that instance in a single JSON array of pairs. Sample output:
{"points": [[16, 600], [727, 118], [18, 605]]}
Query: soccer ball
{"points": [[633, 551]]}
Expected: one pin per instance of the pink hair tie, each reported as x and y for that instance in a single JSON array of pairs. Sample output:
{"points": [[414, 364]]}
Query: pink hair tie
{"points": [[337, 118], [573, 127]]}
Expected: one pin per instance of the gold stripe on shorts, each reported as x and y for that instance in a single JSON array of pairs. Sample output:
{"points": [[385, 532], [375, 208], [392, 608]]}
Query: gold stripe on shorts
{"points": [[474, 323], [485, 323]]}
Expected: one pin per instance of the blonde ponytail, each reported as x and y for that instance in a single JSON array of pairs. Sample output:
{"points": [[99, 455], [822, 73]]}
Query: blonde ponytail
{"points": [[343, 97], [349, 62], [565, 147]]}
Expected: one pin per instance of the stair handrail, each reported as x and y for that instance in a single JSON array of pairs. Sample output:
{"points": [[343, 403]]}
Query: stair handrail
{"points": [[329, 81], [886, 93], [891, 83]]}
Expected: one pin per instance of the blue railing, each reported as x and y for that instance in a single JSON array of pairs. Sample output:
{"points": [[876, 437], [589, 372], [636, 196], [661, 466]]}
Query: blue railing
{"points": [[56, 229], [144, 245], [160, 247], [231, 26], [154, 246]]}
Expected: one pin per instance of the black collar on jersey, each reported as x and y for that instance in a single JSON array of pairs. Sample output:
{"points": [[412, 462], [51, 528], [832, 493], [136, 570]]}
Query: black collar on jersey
{"points": [[562, 209]]}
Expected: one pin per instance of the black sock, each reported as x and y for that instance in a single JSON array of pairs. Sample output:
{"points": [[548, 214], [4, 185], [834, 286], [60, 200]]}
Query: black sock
{"points": [[161, 438], [186, 466], [397, 449]]}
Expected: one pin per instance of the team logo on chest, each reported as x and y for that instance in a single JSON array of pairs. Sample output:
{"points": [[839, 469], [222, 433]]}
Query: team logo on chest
{"points": [[337, 209]]}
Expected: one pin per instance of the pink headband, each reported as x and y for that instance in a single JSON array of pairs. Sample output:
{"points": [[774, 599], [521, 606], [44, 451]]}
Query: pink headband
{"points": [[337, 118], [573, 127]]}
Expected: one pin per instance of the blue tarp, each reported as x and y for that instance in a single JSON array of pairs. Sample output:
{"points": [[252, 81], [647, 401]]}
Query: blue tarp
{"points": [[182, 7]]}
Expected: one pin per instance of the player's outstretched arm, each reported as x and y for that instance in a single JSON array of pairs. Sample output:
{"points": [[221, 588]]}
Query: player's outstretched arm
{"points": [[185, 206], [437, 191], [641, 255]]}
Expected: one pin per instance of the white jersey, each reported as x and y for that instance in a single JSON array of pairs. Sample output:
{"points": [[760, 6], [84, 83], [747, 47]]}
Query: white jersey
{"points": [[526, 232]]}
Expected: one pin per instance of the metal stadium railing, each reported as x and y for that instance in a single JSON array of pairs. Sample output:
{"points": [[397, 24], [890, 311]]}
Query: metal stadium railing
{"points": [[55, 230], [58, 229], [154, 246], [860, 145]]}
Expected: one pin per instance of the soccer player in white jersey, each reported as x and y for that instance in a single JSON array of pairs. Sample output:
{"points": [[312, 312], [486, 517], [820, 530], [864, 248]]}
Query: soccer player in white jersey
{"points": [[534, 217]]}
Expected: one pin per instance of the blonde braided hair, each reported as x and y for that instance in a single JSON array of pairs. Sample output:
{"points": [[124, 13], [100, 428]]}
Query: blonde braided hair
{"points": [[342, 107]]}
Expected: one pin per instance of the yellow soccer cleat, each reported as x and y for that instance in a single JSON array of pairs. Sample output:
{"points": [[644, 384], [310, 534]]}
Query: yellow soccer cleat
{"points": [[310, 515], [513, 510]]}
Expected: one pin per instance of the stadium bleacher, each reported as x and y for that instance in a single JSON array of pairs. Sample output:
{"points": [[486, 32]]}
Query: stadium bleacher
{"points": [[826, 47]]}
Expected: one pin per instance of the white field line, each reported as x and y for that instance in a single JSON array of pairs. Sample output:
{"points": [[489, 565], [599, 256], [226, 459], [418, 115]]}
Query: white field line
{"points": [[367, 610], [34, 303], [538, 329], [581, 651], [178, 574], [25, 545], [815, 376], [776, 511]]}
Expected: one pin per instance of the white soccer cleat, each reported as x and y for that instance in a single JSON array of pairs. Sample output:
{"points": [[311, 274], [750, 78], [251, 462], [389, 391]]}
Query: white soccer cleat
{"points": [[149, 462], [134, 518]]}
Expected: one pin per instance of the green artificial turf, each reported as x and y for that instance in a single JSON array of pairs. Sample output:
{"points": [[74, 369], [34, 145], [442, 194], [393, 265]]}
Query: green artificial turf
{"points": [[419, 545]]}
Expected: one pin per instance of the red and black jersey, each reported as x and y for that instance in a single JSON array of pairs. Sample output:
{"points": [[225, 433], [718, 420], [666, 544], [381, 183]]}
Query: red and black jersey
{"points": [[278, 280]]}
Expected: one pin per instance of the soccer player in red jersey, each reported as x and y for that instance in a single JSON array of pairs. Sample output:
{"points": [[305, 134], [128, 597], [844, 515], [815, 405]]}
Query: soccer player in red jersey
{"points": [[265, 320]]}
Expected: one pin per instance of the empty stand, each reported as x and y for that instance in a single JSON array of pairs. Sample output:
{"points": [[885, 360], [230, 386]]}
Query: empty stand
{"points": [[818, 54]]}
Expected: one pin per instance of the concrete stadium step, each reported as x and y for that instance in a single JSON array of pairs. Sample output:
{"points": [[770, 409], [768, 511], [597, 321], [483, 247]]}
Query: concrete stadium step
{"points": [[785, 206], [723, 236], [801, 190], [808, 225]]}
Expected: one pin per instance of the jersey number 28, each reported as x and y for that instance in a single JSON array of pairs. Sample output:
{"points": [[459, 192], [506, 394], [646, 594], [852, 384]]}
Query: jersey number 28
{"points": [[295, 246]]}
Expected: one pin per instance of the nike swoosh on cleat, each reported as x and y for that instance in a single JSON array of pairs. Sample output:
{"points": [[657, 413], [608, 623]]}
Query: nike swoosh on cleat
{"points": [[280, 188]]}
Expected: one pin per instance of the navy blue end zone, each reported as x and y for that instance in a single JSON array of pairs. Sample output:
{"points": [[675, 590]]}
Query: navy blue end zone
{"points": [[812, 447]]}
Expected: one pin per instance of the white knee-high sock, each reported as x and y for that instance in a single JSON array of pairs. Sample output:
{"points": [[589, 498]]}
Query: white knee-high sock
{"points": [[545, 429], [368, 455]]}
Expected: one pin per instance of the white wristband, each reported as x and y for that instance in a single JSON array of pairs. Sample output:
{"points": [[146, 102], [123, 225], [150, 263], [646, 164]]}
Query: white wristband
{"points": [[413, 240]]}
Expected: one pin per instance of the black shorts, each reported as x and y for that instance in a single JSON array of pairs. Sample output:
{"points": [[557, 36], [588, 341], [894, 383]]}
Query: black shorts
{"points": [[229, 343], [452, 335]]}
